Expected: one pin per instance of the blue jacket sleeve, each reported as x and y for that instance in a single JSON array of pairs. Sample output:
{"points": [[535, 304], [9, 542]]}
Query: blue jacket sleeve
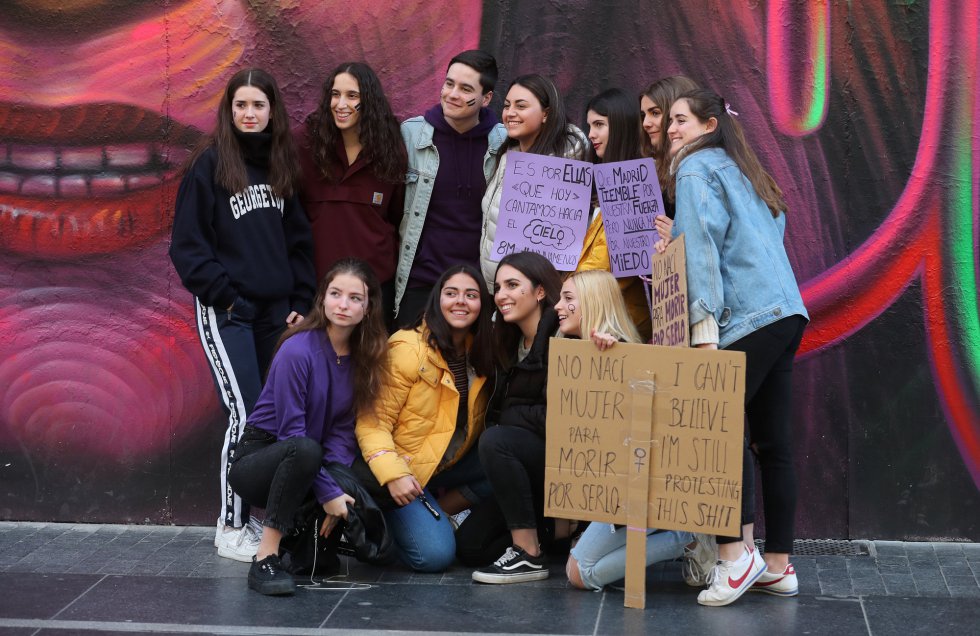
{"points": [[702, 217], [193, 239]]}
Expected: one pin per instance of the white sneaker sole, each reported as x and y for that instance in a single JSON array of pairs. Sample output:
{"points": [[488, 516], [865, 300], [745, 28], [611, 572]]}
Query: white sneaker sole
{"points": [[503, 579], [235, 555]]}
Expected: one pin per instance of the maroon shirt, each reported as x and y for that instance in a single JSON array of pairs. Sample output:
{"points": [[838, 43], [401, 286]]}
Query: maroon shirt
{"points": [[357, 216]]}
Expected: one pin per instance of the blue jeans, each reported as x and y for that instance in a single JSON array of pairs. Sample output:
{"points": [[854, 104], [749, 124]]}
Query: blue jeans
{"points": [[601, 552], [427, 544]]}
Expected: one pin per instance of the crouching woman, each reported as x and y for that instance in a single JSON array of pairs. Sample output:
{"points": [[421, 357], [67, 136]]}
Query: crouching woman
{"points": [[326, 369]]}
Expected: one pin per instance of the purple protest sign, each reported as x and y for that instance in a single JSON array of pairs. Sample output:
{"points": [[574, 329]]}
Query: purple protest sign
{"points": [[629, 197], [544, 208]]}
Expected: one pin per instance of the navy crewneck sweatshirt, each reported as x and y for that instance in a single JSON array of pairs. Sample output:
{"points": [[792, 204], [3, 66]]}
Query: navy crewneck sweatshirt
{"points": [[454, 219]]}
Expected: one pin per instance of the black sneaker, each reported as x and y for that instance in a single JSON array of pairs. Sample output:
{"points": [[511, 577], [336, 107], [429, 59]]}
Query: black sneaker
{"points": [[515, 566], [268, 577]]}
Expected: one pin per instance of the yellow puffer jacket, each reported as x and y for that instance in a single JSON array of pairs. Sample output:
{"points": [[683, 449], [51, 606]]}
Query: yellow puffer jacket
{"points": [[410, 430], [595, 255]]}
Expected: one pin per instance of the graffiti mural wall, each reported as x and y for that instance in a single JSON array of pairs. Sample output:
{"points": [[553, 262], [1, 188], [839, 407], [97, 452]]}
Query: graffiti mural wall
{"points": [[866, 113]]}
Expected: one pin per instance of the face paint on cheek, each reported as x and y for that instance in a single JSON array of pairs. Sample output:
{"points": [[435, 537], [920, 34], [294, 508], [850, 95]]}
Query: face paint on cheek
{"points": [[571, 308], [357, 107], [471, 102]]}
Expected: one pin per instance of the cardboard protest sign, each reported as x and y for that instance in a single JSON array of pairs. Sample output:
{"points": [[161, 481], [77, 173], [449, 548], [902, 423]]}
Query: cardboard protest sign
{"points": [[544, 208], [688, 449], [668, 294], [630, 198]]}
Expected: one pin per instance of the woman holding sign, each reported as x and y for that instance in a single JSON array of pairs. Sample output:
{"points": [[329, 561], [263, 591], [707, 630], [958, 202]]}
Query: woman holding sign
{"points": [[614, 131], [742, 296], [512, 449], [591, 306], [535, 119]]}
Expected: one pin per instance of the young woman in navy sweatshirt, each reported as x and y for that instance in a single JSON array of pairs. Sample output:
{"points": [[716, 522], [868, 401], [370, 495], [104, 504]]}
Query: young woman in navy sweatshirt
{"points": [[241, 245]]}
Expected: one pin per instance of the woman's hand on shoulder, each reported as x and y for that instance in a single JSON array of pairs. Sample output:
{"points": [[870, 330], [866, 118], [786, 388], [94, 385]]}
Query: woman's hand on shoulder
{"points": [[603, 340], [336, 509], [293, 319], [405, 489]]}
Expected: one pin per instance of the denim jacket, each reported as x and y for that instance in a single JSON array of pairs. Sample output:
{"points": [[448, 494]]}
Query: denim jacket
{"points": [[423, 165], [737, 268]]}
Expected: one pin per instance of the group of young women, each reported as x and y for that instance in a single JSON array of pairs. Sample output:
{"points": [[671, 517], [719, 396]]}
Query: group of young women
{"points": [[448, 415]]}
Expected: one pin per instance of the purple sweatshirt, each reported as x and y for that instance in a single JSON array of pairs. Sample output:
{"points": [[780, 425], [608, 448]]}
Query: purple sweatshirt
{"points": [[308, 394]]}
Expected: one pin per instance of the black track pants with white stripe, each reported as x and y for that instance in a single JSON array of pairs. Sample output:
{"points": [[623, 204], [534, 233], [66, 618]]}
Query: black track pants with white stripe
{"points": [[238, 354]]}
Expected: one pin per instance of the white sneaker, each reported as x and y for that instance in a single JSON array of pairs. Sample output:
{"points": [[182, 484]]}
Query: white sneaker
{"points": [[728, 580], [458, 518], [699, 561], [783, 584], [239, 544], [254, 525]]}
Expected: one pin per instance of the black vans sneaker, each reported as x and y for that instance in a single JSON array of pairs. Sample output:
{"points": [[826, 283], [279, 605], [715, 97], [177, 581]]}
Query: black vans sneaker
{"points": [[514, 566], [268, 577]]}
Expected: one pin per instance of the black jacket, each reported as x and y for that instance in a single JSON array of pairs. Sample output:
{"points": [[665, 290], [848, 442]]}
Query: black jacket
{"points": [[520, 396]]}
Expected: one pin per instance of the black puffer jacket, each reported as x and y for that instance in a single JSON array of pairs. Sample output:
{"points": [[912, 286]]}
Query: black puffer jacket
{"points": [[520, 396]]}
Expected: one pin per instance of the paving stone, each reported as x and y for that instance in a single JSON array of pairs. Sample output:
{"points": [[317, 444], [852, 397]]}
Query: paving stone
{"points": [[948, 548], [964, 592], [898, 585], [889, 548]]}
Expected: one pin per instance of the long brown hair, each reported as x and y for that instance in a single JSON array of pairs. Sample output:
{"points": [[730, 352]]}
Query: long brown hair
{"points": [[381, 141], [229, 170], [728, 135], [368, 341], [663, 93]]}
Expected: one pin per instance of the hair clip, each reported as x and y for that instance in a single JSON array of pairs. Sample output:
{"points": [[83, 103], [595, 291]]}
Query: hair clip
{"points": [[728, 109]]}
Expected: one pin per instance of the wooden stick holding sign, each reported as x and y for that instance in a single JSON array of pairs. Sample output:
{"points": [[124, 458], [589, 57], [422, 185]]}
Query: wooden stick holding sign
{"points": [[596, 431]]}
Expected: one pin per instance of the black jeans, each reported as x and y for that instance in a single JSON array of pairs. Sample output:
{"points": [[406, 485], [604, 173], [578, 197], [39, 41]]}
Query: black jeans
{"points": [[275, 475], [769, 354]]}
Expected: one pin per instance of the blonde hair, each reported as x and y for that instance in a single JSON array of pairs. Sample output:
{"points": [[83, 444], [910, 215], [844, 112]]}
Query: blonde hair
{"points": [[603, 308]]}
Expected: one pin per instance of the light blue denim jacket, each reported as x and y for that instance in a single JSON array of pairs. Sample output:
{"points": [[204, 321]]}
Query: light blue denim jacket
{"points": [[423, 165], [737, 268]]}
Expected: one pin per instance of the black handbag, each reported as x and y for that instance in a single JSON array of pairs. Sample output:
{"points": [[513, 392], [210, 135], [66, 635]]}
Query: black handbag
{"points": [[364, 534], [365, 529]]}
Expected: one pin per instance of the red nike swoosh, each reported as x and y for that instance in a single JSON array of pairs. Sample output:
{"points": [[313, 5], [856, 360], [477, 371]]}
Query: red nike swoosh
{"points": [[734, 583], [762, 584]]}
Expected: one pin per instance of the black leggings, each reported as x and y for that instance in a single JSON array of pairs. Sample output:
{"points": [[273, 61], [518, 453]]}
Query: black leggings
{"points": [[769, 354], [513, 459], [275, 475]]}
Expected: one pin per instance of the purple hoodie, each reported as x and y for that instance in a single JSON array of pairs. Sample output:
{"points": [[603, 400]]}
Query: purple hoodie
{"points": [[454, 220]]}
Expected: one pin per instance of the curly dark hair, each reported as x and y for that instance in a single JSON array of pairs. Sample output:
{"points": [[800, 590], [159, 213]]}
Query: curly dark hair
{"points": [[380, 137], [369, 340], [229, 170]]}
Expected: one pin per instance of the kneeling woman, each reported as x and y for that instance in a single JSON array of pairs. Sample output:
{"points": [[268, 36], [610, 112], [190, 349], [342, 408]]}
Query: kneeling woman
{"points": [[422, 435], [326, 369], [592, 306]]}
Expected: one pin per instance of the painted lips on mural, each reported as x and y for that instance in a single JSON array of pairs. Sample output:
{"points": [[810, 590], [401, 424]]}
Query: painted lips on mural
{"points": [[101, 102]]}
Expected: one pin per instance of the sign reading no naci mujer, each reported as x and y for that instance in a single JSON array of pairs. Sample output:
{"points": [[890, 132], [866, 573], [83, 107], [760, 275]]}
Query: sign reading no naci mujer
{"points": [[544, 208], [630, 199]]}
